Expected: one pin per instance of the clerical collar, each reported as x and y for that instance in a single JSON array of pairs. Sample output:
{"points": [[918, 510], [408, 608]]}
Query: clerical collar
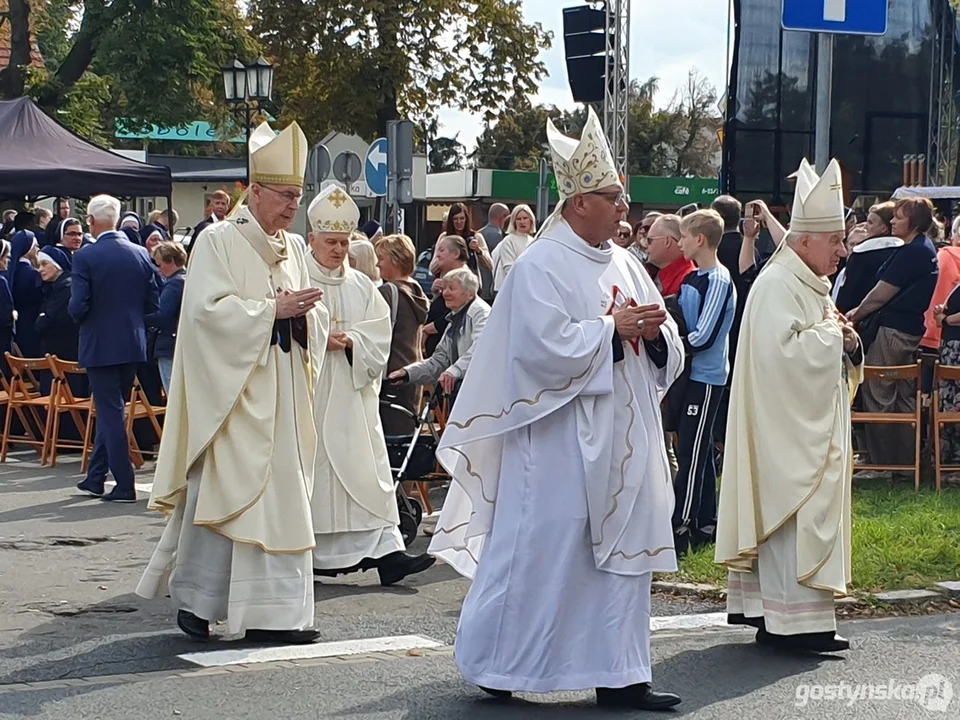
{"points": [[562, 233], [787, 256], [323, 275]]}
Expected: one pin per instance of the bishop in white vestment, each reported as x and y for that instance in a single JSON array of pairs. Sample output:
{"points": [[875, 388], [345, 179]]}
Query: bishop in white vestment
{"points": [[784, 519], [355, 515], [235, 468], [560, 505]]}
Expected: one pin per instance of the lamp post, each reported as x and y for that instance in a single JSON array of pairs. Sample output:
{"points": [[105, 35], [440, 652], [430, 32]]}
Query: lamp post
{"points": [[246, 88]]}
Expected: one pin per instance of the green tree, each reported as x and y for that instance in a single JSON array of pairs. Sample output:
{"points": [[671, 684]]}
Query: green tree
{"points": [[679, 139], [516, 141], [149, 61], [354, 66], [443, 153]]}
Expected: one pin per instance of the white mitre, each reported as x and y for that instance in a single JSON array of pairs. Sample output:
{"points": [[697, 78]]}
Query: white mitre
{"points": [[818, 201], [584, 165], [333, 211], [278, 159]]}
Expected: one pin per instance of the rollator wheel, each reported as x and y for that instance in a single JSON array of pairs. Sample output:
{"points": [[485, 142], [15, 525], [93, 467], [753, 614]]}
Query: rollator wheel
{"points": [[408, 528], [417, 510]]}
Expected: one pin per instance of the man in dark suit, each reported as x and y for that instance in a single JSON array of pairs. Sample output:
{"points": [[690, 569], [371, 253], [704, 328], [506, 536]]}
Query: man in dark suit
{"points": [[114, 285], [219, 207]]}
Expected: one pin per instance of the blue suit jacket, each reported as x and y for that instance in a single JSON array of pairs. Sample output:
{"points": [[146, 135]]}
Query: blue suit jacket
{"points": [[114, 285]]}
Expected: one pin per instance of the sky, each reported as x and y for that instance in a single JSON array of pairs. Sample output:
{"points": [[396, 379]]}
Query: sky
{"points": [[667, 39]]}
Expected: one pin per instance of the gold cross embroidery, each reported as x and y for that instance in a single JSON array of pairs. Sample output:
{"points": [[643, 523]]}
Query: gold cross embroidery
{"points": [[836, 187], [338, 199]]}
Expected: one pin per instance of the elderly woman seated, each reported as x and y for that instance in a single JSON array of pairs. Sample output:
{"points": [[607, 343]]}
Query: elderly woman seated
{"points": [[468, 314]]}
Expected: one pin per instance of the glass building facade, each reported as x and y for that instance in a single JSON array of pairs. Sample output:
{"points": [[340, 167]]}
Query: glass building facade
{"points": [[881, 98]]}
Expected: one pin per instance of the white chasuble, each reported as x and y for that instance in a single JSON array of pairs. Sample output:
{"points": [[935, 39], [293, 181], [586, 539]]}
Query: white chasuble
{"points": [[550, 350], [788, 459], [238, 424], [354, 503], [560, 503]]}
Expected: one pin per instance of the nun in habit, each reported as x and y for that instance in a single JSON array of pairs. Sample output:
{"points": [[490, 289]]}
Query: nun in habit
{"points": [[355, 516]]}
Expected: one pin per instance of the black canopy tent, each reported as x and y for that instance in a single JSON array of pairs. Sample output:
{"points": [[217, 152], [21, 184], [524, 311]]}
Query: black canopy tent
{"points": [[41, 158]]}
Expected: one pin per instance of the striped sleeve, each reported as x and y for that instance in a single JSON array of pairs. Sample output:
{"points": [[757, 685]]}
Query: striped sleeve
{"points": [[710, 319]]}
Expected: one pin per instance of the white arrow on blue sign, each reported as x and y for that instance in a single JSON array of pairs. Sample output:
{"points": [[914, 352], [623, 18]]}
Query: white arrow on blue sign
{"points": [[841, 17], [375, 169]]}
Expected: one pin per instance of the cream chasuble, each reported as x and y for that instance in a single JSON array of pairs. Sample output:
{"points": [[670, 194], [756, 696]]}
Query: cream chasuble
{"points": [[560, 503], [354, 503], [238, 422], [505, 254], [788, 461]]}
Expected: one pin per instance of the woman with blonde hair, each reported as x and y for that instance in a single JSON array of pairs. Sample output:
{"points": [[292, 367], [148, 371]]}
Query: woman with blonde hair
{"points": [[363, 257], [521, 229]]}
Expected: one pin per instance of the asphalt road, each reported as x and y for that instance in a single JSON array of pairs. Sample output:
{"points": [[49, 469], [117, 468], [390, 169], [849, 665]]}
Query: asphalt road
{"points": [[76, 643]]}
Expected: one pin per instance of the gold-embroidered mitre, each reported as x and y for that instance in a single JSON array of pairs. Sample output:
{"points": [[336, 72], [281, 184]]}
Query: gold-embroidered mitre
{"points": [[818, 201], [585, 165], [278, 159], [333, 211]]}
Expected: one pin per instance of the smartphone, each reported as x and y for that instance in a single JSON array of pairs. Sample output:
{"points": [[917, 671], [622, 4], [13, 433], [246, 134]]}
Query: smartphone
{"points": [[688, 209]]}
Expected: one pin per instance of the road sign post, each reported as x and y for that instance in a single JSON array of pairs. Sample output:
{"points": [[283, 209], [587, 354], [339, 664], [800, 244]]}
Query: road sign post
{"points": [[824, 100], [399, 168], [828, 18]]}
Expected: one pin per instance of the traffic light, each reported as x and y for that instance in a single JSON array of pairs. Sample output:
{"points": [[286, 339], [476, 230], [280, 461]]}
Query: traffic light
{"points": [[585, 49]]}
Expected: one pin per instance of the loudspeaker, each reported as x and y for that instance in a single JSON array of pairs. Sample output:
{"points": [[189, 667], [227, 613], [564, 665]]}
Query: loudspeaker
{"points": [[585, 50]]}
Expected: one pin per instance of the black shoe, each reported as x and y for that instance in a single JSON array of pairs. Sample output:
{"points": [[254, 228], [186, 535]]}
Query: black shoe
{"points": [[120, 496], [826, 642], [91, 487], [334, 572], [194, 627], [681, 542], [498, 694], [637, 697], [282, 637], [741, 619], [396, 566]]}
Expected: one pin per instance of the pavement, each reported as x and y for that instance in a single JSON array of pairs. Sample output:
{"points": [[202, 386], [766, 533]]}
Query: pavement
{"points": [[75, 642]]}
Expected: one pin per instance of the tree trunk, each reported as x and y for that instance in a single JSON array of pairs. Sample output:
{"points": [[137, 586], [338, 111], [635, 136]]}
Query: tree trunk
{"points": [[13, 78], [96, 21], [388, 28]]}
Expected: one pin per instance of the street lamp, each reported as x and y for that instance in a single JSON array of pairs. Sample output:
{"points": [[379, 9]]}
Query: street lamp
{"points": [[246, 88]]}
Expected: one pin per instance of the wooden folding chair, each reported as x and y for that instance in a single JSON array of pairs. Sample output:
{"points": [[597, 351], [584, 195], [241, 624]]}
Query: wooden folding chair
{"points": [[941, 418], [895, 373], [138, 407], [27, 402], [79, 408]]}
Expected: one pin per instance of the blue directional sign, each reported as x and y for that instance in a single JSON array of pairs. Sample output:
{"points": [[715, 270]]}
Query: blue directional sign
{"points": [[842, 17], [375, 167]]}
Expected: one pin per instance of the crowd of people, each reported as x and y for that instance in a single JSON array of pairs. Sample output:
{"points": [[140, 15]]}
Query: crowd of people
{"points": [[601, 378]]}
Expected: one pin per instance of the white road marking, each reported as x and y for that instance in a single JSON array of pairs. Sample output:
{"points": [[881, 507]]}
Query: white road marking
{"points": [[688, 622], [144, 487], [219, 658]]}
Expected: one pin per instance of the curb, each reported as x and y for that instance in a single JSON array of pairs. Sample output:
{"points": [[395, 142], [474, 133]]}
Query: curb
{"points": [[946, 590]]}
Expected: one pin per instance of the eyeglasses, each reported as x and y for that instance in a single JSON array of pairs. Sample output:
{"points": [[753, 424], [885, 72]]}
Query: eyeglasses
{"points": [[73, 234], [652, 238], [616, 198], [292, 198]]}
